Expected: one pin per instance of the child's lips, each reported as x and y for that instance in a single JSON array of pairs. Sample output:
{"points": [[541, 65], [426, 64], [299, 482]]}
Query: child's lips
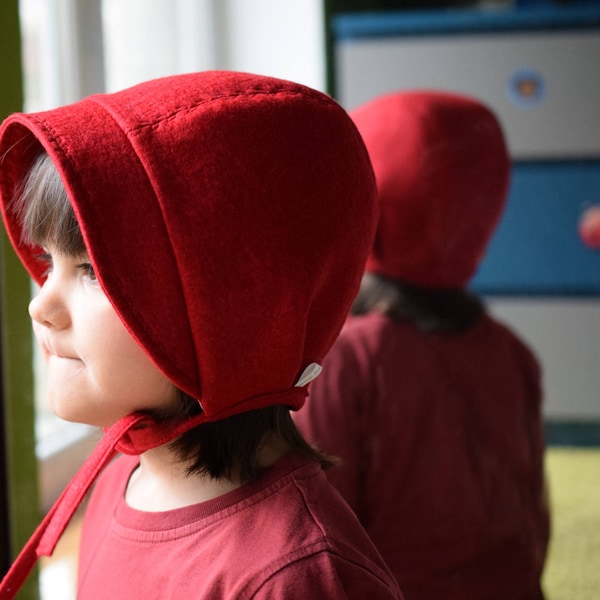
{"points": [[64, 367], [51, 350], [61, 359]]}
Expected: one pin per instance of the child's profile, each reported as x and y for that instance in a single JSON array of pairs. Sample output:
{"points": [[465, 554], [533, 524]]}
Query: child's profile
{"points": [[198, 240]]}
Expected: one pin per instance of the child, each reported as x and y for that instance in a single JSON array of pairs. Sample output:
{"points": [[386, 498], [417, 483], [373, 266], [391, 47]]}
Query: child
{"points": [[199, 239], [441, 443]]}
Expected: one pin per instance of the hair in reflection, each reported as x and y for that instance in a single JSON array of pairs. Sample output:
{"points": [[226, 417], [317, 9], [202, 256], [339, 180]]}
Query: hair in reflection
{"points": [[430, 310]]}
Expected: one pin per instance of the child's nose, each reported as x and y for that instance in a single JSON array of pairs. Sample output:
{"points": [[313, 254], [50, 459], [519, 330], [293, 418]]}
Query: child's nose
{"points": [[48, 307]]}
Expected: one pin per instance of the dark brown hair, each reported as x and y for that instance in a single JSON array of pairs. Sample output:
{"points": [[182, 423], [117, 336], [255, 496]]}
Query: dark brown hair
{"points": [[44, 210], [225, 448], [430, 310]]}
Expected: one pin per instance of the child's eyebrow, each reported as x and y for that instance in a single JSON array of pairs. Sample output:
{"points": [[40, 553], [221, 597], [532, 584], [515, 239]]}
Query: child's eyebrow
{"points": [[45, 254]]}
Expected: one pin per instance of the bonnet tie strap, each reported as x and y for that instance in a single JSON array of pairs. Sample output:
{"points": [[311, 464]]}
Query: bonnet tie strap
{"points": [[46, 536], [133, 434]]}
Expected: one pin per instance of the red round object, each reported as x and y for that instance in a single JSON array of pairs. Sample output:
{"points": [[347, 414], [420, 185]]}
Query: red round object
{"points": [[589, 227]]}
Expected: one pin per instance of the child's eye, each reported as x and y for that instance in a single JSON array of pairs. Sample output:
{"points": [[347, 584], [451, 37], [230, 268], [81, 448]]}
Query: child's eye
{"points": [[88, 270], [45, 258]]}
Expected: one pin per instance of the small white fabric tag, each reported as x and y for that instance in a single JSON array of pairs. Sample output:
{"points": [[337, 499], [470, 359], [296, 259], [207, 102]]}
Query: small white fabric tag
{"points": [[310, 373]]}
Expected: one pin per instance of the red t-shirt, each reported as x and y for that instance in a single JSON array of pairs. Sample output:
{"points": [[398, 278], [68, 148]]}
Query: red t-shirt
{"points": [[287, 536], [442, 449]]}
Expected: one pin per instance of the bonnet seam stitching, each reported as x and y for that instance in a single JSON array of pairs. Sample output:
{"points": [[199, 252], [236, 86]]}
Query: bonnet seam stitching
{"points": [[183, 109]]}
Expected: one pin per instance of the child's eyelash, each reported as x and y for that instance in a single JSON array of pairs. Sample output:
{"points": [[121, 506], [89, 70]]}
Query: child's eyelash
{"points": [[89, 268], [44, 257]]}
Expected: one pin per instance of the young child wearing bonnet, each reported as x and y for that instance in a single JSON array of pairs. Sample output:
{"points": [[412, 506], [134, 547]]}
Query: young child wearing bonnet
{"points": [[198, 241]]}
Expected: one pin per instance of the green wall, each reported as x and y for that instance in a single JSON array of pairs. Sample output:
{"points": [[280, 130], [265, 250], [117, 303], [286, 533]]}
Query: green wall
{"points": [[21, 491]]}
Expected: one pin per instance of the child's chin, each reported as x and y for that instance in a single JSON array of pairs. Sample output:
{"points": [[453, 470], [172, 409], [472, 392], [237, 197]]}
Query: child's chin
{"points": [[74, 416]]}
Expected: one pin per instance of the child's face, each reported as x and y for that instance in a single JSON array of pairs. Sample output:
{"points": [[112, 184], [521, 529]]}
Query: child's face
{"points": [[97, 373]]}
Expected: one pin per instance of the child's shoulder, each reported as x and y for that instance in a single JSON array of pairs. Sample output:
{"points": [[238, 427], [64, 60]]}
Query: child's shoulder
{"points": [[372, 334], [310, 530], [291, 513]]}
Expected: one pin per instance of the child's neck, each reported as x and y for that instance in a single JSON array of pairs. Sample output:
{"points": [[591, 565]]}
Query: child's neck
{"points": [[161, 481]]}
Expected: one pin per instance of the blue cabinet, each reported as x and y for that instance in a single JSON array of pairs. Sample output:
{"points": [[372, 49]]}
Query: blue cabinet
{"points": [[538, 70], [537, 249]]}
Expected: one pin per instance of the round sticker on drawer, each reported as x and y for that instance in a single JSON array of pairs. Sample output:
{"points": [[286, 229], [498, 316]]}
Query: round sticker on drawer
{"points": [[526, 88]]}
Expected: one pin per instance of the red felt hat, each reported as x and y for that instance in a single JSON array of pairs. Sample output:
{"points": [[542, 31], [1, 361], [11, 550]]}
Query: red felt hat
{"points": [[228, 217], [442, 171]]}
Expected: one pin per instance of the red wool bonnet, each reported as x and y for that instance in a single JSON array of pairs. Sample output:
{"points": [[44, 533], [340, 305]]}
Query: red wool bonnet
{"points": [[442, 171], [228, 217]]}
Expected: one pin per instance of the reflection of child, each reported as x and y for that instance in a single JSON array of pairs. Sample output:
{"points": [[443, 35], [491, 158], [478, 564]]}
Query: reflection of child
{"points": [[197, 242], [441, 442]]}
